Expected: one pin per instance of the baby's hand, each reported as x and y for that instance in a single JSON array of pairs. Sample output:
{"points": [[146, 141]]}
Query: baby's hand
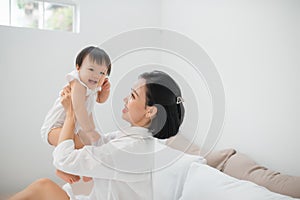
{"points": [[104, 93], [105, 86]]}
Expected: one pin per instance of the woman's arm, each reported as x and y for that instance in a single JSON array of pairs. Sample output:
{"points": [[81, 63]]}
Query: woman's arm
{"points": [[78, 97], [85, 161], [88, 135], [92, 161], [67, 131], [54, 135]]}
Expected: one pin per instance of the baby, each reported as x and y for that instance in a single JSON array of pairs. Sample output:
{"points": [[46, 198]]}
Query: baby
{"points": [[89, 84]]}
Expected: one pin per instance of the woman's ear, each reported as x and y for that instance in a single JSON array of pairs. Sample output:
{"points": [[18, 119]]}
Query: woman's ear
{"points": [[151, 111], [77, 67]]}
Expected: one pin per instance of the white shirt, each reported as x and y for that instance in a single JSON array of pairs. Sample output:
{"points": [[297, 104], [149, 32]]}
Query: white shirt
{"points": [[128, 164]]}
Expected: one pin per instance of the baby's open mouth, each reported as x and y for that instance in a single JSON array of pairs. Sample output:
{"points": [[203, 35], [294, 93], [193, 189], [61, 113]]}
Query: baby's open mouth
{"points": [[92, 82]]}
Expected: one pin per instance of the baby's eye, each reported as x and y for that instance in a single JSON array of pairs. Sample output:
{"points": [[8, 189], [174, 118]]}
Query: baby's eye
{"points": [[132, 96], [102, 73], [91, 69]]}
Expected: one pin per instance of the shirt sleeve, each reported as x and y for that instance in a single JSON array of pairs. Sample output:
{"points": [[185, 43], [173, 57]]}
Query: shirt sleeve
{"points": [[110, 136], [89, 161], [105, 138], [117, 159]]}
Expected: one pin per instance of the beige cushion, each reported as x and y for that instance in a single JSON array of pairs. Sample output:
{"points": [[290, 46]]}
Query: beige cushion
{"points": [[215, 159], [218, 159], [180, 143], [242, 167]]}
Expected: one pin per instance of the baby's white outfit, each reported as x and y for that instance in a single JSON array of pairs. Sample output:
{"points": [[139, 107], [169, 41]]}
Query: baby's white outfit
{"points": [[56, 116]]}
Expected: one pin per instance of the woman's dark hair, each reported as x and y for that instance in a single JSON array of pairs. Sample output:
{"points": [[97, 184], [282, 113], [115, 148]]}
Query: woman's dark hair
{"points": [[96, 55], [163, 93]]}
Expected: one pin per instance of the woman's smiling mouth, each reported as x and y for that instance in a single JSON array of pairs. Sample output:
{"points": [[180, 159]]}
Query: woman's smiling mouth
{"points": [[125, 109]]}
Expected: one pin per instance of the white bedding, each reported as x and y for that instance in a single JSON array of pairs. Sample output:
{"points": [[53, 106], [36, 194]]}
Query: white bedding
{"points": [[207, 183]]}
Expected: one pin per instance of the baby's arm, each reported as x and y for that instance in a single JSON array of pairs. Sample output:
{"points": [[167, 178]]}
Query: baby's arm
{"points": [[78, 92]]}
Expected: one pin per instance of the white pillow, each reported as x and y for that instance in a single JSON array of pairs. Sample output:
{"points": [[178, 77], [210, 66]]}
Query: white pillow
{"points": [[207, 183], [170, 173]]}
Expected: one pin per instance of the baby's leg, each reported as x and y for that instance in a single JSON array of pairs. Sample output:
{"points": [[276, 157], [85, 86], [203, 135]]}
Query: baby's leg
{"points": [[53, 139]]}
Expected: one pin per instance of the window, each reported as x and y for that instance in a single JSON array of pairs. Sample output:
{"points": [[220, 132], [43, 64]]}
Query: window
{"points": [[39, 14]]}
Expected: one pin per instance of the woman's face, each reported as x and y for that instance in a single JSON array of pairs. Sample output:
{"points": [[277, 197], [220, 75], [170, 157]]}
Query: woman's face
{"points": [[135, 110]]}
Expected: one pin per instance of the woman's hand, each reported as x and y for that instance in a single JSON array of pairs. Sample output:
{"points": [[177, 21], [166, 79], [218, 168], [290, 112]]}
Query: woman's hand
{"points": [[104, 93], [66, 99]]}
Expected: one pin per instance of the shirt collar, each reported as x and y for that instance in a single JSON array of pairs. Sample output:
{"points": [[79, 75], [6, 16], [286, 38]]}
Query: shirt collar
{"points": [[136, 131]]}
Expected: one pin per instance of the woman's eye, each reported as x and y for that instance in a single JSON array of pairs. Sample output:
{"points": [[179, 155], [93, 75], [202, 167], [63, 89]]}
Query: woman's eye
{"points": [[102, 73], [91, 69]]}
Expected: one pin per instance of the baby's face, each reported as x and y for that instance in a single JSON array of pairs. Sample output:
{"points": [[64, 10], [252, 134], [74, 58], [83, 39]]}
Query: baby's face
{"points": [[91, 73]]}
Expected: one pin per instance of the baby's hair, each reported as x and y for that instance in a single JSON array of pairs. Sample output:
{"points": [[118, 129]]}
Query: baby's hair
{"points": [[95, 55], [163, 93]]}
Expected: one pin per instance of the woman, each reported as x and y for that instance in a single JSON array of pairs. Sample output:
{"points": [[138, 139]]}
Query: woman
{"points": [[122, 163]]}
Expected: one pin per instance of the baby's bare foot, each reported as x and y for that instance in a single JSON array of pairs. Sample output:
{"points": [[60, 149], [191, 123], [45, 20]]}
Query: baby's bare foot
{"points": [[69, 178]]}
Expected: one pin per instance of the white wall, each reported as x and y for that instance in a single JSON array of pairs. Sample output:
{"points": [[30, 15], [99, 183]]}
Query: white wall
{"points": [[255, 46], [33, 64]]}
